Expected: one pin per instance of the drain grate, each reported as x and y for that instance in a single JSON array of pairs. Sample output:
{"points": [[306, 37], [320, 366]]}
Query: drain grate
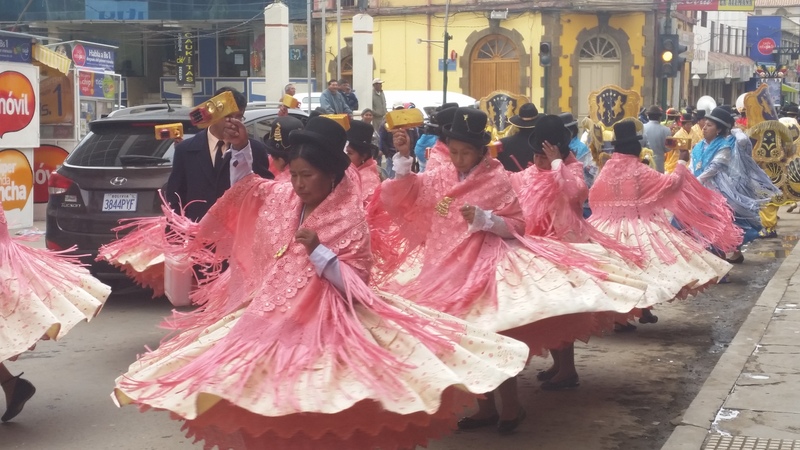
{"points": [[749, 443]]}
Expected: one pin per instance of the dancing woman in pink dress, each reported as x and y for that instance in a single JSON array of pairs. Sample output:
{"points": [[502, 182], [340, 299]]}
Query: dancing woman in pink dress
{"points": [[630, 202], [278, 146], [290, 348], [458, 229], [360, 150], [43, 295], [552, 193]]}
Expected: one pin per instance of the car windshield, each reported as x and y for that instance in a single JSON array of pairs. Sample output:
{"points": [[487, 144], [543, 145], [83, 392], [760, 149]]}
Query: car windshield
{"points": [[122, 144]]}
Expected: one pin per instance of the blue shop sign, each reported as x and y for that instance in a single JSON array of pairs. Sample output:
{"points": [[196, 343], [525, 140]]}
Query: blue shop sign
{"points": [[14, 49]]}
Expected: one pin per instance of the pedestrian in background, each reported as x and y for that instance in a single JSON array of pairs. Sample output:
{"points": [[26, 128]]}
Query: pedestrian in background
{"points": [[378, 103], [655, 136], [349, 94], [332, 101]]}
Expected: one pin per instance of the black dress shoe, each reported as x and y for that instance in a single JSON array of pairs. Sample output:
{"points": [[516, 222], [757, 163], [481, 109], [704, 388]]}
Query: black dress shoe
{"points": [[737, 260], [468, 423], [568, 383], [23, 391], [545, 375], [508, 426]]}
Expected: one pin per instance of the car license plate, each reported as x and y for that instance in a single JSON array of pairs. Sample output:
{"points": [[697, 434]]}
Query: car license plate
{"points": [[119, 202]]}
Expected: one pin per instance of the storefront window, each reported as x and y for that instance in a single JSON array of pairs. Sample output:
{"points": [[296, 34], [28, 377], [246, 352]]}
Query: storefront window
{"points": [[234, 55]]}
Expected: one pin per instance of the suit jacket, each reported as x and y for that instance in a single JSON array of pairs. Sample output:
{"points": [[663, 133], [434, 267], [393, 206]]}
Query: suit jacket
{"points": [[194, 176], [518, 146]]}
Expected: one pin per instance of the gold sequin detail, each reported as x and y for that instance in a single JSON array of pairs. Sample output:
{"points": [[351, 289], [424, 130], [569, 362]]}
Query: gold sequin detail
{"points": [[443, 207], [281, 252]]}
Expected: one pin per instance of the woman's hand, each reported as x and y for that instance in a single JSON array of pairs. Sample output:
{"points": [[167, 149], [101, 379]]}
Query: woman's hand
{"points": [[468, 213], [551, 151], [401, 142], [308, 238]]}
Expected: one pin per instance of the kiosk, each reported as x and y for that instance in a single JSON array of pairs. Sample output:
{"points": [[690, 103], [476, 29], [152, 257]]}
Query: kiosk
{"points": [[88, 90]]}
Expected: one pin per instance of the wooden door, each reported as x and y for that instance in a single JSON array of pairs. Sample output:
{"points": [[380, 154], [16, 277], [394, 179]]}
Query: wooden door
{"points": [[494, 65], [599, 65]]}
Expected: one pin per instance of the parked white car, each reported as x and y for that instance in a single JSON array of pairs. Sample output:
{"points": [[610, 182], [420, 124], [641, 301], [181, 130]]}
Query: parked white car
{"points": [[420, 99]]}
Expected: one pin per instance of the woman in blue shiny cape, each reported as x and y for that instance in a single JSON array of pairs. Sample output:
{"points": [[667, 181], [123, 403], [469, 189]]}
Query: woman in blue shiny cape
{"points": [[722, 162]]}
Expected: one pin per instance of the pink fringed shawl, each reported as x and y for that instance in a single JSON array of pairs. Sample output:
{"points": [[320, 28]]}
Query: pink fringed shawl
{"points": [[292, 315], [457, 268], [552, 203], [370, 179], [439, 156], [627, 191]]}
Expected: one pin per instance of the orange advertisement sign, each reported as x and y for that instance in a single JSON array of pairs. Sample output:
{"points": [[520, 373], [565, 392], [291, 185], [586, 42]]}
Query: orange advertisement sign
{"points": [[16, 179], [46, 159], [17, 102]]}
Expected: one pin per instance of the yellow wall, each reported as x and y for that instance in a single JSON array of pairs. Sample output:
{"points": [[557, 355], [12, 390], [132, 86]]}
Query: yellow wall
{"points": [[403, 64], [572, 24]]}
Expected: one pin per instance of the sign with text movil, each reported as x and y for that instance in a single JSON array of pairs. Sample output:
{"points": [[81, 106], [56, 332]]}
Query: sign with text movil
{"points": [[16, 186], [19, 106], [93, 57]]}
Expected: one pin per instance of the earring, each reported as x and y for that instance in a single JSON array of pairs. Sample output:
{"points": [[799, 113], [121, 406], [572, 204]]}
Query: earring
{"points": [[333, 185]]}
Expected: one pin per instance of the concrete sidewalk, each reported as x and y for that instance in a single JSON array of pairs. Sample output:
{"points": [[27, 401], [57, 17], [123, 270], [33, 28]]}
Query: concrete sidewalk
{"points": [[751, 400]]}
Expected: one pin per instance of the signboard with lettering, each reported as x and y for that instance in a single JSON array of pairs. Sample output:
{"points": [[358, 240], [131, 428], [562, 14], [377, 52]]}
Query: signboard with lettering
{"points": [[185, 59], [46, 159], [763, 35], [96, 85], [57, 100], [13, 49], [92, 57], [116, 10], [16, 186], [19, 106], [716, 5]]}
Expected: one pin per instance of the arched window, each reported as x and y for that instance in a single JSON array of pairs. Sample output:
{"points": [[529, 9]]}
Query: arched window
{"points": [[496, 47], [598, 48]]}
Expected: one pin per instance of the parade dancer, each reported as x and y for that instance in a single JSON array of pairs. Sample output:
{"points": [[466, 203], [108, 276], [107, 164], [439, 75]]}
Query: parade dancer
{"points": [[43, 295], [360, 150], [630, 203], [453, 225], [278, 146], [290, 348], [552, 193], [718, 165]]}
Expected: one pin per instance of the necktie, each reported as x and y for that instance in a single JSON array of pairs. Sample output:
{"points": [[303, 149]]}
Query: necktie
{"points": [[218, 155]]}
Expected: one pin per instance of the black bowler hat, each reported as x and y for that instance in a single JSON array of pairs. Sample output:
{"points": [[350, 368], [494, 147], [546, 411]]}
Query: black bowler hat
{"points": [[434, 118], [469, 125], [550, 128], [625, 138], [699, 114], [526, 117], [359, 136], [278, 141], [323, 132], [721, 117], [568, 119], [685, 118], [445, 116]]}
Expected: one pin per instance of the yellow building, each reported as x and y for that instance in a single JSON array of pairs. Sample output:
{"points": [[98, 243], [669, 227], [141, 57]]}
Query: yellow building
{"points": [[607, 46]]}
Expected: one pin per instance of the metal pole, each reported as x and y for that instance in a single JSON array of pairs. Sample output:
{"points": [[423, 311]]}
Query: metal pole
{"points": [[447, 38], [546, 88], [667, 30], [338, 39], [324, 50], [308, 53]]}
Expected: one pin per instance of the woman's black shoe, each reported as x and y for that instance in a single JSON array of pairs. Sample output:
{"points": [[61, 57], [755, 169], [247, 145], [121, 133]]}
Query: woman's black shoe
{"points": [[508, 426], [468, 423], [23, 391]]}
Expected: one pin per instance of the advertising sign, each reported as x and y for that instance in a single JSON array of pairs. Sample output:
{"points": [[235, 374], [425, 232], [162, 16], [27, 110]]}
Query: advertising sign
{"points": [[93, 57], [16, 187], [46, 159], [763, 36], [116, 10], [57, 100], [716, 5], [186, 59], [96, 85], [19, 107], [13, 49]]}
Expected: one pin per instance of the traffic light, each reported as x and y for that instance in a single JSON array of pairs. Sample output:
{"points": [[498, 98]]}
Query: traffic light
{"points": [[669, 62], [545, 54]]}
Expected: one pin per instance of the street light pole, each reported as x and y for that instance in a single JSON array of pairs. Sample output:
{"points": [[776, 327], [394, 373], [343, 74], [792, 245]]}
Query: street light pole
{"points": [[447, 38]]}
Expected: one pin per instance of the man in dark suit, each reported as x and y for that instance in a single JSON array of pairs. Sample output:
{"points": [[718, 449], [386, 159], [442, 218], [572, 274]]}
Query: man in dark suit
{"points": [[201, 166]]}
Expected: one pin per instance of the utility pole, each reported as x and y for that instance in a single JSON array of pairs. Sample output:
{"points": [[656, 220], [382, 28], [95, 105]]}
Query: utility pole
{"points": [[338, 39], [308, 54], [667, 30], [447, 38]]}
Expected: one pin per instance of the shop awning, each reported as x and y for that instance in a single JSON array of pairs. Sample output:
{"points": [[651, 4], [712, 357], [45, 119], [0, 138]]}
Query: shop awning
{"points": [[722, 64], [789, 89], [43, 56]]}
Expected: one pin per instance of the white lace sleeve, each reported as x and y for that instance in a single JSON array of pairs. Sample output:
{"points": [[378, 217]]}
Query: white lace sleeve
{"points": [[487, 221]]}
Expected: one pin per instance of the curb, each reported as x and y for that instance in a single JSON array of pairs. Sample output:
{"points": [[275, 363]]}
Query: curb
{"points": [[696, 422]]}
